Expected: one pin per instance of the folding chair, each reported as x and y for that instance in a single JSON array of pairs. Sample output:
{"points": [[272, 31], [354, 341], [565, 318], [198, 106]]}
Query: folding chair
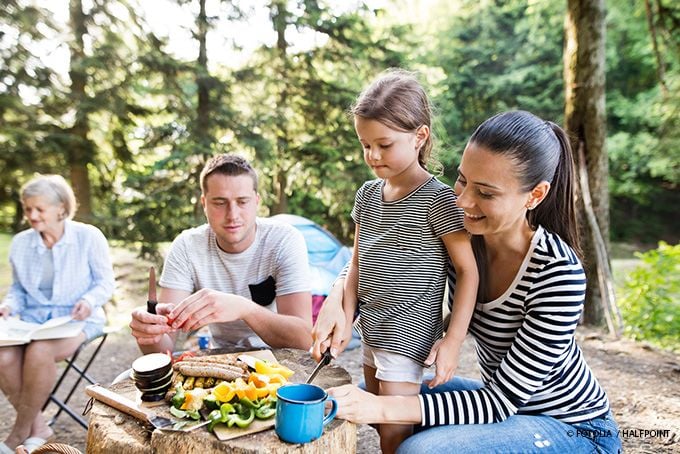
{"points": [[81, 372]]}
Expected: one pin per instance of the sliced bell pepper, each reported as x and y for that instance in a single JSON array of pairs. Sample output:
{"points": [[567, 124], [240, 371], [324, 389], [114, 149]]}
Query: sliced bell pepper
{"points": [[241, 419], [265, 412], [215, 417], [262, 367]]}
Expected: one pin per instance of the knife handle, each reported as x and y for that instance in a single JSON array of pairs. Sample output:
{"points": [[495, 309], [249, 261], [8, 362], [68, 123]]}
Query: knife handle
{"points": [[151, 307], [117, 401]]}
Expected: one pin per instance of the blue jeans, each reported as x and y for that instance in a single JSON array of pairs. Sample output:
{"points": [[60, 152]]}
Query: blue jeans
{"points": [[517, 434]]}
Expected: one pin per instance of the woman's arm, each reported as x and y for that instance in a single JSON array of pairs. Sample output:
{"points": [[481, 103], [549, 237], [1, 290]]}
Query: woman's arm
{"points": [[99, 261], [362, 407], [446, 352], [552, 308], [15, 300]]}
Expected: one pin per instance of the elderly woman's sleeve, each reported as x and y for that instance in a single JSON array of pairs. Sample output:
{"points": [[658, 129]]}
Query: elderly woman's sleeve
{"points": [[16, 295], [101, 270]]}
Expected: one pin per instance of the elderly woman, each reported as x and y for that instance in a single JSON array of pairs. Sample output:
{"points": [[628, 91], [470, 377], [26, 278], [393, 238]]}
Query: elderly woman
{"points": [[60, 267]]}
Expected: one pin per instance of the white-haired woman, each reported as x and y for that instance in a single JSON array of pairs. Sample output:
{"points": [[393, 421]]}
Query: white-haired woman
{"points": [[59, 267]]}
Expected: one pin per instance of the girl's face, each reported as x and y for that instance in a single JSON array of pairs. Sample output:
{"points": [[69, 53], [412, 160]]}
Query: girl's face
{"points": [[389, 153], [43, 214], [490, 193]]}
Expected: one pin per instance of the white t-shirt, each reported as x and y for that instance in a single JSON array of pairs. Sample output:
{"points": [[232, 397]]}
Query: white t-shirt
{"points": [[274, 265]]}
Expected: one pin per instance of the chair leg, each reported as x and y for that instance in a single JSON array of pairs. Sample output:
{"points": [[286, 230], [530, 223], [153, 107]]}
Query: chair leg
{"points": [[82, 373]]}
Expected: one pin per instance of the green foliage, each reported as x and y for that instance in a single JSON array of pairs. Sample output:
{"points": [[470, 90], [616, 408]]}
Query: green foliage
{"points": [[152, 119], [643, 121], [650, 297], [496, 56]]}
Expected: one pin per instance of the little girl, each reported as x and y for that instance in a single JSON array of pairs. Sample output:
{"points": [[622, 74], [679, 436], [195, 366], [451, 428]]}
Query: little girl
{"points": [[407, 229]]}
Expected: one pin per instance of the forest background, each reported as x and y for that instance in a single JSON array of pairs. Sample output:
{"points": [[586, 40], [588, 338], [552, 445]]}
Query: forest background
{"points": [[129, 104]]}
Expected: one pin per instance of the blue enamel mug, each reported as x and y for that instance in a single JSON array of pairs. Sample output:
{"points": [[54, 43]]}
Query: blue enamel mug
{"points": [[300, 409]]}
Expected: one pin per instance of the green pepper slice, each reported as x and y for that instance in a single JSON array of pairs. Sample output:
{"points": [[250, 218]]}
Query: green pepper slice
{"points": [[242, 420], [265, 412], [179, 397], [249, 403], [215, 417]]}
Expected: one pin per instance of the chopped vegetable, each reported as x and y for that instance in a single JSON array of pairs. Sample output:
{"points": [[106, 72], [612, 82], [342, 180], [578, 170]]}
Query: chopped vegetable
{"points": [[179, 397]]}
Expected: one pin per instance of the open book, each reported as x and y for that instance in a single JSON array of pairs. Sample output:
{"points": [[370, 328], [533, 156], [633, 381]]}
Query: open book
{"points": [[16, 332]]}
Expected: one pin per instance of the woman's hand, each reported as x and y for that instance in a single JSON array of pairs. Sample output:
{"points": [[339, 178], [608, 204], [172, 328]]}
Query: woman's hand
{"points": [[356, 405], [5, 310], [361, 407], [444, 354], [81, 310]]}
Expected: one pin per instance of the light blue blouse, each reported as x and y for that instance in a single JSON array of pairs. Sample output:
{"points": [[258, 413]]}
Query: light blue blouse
{"points": [[82, 270]]}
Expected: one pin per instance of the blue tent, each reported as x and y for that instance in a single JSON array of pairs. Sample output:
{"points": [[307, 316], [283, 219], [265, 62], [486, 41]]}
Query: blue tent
{"points": [[327, 255]]}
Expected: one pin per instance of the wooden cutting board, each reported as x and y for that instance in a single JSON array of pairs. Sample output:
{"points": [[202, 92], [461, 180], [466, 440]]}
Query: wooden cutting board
{"points": [[223, 432]]}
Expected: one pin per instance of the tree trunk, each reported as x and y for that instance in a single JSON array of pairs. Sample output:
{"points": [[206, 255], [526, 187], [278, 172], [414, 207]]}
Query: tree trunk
{"points": [[280, 21], [80, 151], [585, 121], [202, 81]]}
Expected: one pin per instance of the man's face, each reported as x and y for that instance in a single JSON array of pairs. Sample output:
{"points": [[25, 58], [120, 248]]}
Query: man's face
{"points": [[230, 205]]}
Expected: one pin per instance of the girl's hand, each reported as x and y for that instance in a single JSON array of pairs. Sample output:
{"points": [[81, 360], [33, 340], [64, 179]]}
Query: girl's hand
{"points": [[81, 310], [445, 354], [330, 331]]}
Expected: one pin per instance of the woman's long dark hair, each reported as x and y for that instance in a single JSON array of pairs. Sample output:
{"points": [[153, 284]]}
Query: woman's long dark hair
{"points": [[541, 152]]}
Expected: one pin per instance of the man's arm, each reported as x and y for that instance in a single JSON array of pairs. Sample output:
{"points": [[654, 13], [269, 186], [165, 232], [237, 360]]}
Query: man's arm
{"points": [[290, 326]]}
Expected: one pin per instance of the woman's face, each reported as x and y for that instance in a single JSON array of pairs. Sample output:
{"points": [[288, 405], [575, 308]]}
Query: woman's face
{"points": [[43, 214], [489, 193]]}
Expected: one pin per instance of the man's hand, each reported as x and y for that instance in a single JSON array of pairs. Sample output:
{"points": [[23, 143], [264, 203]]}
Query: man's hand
{"points": [[81, 310], [208, 306], [148, 328]]}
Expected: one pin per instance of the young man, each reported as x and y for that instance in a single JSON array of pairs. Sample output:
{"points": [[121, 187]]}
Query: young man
{"points": [[246, 277]]}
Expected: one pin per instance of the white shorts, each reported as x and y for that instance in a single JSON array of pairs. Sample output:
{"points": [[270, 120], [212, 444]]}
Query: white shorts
{"points": [[392, 366]]}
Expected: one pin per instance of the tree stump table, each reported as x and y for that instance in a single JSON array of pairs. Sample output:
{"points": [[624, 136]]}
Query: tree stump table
{"points": [[111, 431]]}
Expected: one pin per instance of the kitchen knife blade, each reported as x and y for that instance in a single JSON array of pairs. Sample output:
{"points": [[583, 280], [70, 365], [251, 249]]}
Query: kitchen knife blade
{"points": [[325, 359], [151, 301]]}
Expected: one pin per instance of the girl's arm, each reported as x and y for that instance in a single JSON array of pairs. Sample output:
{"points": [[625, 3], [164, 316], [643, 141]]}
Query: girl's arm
{"points": [[333, 327], [446, 351]]}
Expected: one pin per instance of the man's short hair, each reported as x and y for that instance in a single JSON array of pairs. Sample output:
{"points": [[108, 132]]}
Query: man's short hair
{"points": [[227, 164]]}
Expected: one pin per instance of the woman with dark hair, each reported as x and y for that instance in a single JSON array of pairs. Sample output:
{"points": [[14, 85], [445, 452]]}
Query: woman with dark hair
{"points": [[537, 394]]}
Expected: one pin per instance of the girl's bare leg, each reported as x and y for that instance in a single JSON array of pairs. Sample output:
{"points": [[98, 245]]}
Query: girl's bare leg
{"points": [[391, 435]]}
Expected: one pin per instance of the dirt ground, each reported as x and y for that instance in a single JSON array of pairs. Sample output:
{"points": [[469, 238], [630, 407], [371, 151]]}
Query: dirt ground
{"points": [[643, 383]]}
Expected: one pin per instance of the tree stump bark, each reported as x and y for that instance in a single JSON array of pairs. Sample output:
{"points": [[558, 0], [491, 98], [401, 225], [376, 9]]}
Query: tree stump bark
{"points": [[111, 431]]}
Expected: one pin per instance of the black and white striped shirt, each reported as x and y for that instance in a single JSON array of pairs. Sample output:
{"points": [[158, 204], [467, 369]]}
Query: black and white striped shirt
{"points": [[528, 356], [402, 265]]}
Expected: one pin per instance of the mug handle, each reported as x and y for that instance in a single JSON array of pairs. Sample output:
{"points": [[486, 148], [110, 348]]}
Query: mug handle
{"points": [[334, 409]]}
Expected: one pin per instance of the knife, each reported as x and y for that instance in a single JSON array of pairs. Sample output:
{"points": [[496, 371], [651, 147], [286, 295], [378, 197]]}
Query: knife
{"points": [[129, 407], [325, 359], [151, 301]]}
